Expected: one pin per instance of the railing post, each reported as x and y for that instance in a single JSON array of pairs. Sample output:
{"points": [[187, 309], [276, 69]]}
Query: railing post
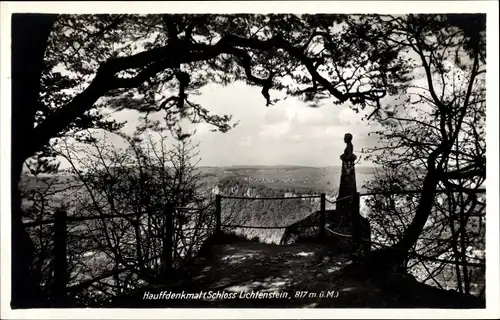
{"points": [[167, 241], [60, 259], [322, 217], [356, 219], [218, 212], [357, 203]]}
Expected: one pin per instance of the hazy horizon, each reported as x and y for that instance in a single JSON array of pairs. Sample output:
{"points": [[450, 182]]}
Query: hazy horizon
{"points": [[235, 166]]}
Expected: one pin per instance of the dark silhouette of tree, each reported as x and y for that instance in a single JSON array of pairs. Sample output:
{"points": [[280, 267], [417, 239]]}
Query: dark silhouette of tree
{"points": [[30, 34], [436, 128], [132, 185], [450, 249]]}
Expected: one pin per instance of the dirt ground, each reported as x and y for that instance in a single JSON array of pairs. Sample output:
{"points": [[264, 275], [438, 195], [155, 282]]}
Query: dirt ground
{"points": [[299, 275]]}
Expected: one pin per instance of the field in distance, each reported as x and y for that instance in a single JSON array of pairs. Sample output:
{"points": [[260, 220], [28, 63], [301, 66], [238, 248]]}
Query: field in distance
{"points": [[295, 178]]}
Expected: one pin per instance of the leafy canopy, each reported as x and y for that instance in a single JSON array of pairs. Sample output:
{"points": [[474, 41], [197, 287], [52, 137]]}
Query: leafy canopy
{"points": [[156, 63], [95, 64]]}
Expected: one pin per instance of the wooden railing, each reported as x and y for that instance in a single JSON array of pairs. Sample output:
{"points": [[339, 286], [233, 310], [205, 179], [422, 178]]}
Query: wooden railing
{"points": [[355, 232], [60, 288], [322, 217], [61, 220], [218, 210], [412, 254]]}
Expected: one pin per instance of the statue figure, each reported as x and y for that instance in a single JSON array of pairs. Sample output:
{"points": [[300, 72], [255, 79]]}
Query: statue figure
{"points": [[348, 151], [348, 157]]}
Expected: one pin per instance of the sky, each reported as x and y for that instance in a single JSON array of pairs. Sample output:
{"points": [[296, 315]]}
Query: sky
{"points": [[286, 133]]}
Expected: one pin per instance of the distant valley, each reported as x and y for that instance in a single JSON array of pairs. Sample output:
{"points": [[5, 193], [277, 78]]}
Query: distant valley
{"points": [[296, 178]]}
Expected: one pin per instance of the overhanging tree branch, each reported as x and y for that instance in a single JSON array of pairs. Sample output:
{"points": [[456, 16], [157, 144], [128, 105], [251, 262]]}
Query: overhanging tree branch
{"points": [[153, 61]]}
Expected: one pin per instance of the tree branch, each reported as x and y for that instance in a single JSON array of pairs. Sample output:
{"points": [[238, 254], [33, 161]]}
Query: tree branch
{"points": [[173, 55]]}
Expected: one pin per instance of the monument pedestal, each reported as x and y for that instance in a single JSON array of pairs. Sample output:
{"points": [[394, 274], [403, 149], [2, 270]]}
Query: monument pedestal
{"points": [[347, 219]]}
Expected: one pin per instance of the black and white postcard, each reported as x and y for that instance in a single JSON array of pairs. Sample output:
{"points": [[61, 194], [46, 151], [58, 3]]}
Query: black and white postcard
{"points": [[266, 159]]}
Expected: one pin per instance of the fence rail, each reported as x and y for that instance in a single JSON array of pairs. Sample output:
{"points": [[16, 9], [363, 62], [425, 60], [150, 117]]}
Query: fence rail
{"points": [[60, 287], [356, 237], [218, 211], [338, 233], [269, 198], [69, 219], [416, 191], [338, 200], [252, 227], [60, 221], [410, 253]]}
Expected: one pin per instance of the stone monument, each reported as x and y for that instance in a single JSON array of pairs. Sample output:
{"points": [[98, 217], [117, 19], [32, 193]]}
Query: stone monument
{"points": [[346, 218], [348, 175], [347, 189]]}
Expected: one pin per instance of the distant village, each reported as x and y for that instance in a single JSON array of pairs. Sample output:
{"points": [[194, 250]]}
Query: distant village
{"points": [[304, 180]]}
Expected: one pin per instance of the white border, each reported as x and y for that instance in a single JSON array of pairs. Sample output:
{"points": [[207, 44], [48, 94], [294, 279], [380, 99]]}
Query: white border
{"points": [[492, 233]]}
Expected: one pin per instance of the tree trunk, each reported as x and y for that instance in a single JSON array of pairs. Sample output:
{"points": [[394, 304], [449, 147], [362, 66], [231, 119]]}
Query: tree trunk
{"points": [[424, 208], [30, 33], [393, 259]]}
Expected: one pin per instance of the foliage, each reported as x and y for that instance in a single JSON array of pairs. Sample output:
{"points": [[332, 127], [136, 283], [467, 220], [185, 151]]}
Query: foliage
{"points": [[155, 63], [434, 132], [439, 120], [119, 207], [432, 137], [438, 258]]}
